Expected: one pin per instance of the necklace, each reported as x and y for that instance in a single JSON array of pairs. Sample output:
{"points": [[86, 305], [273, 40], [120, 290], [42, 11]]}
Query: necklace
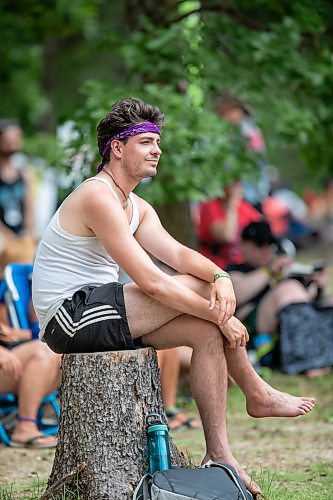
{"points": [[125, 204]]}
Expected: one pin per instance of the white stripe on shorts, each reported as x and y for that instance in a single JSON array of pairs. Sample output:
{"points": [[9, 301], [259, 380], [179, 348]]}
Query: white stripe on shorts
{"points": [[92, 316]]}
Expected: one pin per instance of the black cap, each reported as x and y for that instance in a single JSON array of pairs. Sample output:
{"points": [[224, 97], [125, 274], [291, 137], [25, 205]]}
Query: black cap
{"points": [[259, 232]]}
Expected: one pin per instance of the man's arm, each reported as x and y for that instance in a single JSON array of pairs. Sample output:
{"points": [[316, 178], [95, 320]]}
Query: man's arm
{"points": [[156, 240], [103, 215]]}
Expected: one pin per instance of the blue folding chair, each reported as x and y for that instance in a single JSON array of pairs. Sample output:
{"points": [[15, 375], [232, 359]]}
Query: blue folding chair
{"points": [[15, 293]]}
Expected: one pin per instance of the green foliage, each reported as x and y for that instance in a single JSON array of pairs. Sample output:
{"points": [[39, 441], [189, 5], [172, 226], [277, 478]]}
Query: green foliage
{"points": [[275, 55], [280, 60], [200, 153]]}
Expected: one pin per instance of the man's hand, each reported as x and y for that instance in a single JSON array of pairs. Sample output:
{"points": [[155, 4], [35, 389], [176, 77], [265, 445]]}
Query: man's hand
{"points": [[223, 297], [235, 332], [278, 263], [10, 364]]}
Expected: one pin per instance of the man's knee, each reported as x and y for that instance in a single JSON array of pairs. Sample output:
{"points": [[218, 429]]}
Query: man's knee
{"points": [[209, 339]]}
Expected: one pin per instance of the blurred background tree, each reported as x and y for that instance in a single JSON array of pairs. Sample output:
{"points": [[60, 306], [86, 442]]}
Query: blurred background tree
{"points": [[71, 60]]}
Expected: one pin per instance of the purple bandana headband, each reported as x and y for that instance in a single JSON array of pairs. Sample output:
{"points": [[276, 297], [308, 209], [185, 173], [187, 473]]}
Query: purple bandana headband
{"points": [[137, 128]]}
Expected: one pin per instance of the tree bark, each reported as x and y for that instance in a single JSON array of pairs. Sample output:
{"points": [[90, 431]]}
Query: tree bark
{"points": [[102, 442], [176, 218]]}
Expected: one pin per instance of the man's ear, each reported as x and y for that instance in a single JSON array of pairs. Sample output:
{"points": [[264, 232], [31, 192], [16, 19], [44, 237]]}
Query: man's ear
{"points": [[116, 148]]}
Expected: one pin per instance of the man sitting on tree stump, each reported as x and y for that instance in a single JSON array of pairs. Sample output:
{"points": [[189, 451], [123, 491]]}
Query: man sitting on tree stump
{"points": [[82, 307]]}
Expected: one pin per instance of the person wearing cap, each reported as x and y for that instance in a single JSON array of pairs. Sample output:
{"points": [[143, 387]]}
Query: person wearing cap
{"points": [[265, 295], [82, 307]]}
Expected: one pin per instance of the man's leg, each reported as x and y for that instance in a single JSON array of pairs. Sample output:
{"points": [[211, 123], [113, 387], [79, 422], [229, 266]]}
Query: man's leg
{"points": [[41, 375], [208, 378], [262, 399], [163, 328]]}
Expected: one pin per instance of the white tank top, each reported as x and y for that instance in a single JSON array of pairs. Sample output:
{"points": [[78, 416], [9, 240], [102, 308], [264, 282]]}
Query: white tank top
{"points": [[64, 263]]}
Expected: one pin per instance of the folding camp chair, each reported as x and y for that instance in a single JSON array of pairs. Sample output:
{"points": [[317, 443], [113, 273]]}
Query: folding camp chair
{"points": [[15, 293]]}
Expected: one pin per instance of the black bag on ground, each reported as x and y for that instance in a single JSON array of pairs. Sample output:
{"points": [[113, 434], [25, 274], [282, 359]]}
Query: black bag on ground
{"points": [[306, 337], [213, 481]]}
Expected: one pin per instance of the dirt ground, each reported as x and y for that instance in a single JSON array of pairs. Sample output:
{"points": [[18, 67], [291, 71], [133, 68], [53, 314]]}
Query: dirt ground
{"points": [[259, 444], [21, 466]]}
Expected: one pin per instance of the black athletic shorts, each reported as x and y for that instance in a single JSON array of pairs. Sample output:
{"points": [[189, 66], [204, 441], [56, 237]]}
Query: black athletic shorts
{"points": [[93, 320]]}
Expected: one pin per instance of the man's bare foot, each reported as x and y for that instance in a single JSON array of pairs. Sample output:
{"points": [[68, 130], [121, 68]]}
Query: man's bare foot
{"points": [[273, 403], [250, 485]]}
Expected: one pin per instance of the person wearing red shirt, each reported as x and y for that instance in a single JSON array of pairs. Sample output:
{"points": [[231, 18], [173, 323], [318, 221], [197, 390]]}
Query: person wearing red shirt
{"points": [[221, 222]]}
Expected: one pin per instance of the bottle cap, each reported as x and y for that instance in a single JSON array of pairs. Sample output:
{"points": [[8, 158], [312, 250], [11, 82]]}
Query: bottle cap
{"points": [[154, 419]]}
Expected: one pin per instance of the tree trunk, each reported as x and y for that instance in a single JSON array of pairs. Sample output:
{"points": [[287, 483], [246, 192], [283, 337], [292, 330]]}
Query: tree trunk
{"points": [[176, 218], [102, 443]]}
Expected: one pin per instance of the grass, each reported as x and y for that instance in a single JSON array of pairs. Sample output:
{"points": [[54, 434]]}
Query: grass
{"points": [[290, 458]]}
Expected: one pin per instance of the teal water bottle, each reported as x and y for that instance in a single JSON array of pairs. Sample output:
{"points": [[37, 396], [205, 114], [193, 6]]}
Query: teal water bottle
{"points": [[158, 443]]}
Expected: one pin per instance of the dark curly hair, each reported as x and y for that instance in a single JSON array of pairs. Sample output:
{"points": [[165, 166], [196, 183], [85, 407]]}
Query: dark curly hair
{"points": [[124, 113]]}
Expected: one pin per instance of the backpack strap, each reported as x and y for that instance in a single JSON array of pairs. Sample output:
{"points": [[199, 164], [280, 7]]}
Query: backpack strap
{"points": [[246, 495], [142, 490]]}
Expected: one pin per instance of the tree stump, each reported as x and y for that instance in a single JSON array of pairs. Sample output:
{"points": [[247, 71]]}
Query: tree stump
{"points": [[102, 441]]}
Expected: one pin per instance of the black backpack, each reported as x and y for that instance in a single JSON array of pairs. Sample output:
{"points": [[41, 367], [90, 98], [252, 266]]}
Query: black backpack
{"points": [[213, 481]]}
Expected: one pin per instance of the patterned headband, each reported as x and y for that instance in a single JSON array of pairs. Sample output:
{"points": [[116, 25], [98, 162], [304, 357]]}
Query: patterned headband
{"points": [[137, 128]]}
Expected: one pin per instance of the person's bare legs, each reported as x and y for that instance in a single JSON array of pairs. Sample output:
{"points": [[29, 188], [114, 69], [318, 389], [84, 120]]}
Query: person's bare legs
{"points": [[208, 378], [168, 362], [262, 399], [285, 293], [208, 371], [41, 375], [164, 328]]}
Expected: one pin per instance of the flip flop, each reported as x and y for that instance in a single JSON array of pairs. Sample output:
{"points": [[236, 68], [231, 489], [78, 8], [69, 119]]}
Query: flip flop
{"points": [[32, 443], [189, 423], [192, 423]]}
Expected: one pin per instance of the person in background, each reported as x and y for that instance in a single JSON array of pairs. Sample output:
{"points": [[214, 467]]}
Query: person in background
{"points": [[270, 296], [30, 370], [320, 206], [286, 210], [16, 191], [220, 225], [240, 114]]}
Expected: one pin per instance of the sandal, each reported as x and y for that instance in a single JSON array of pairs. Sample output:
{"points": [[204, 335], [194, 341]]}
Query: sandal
{"points": [[32, 443], [179, 420]]}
